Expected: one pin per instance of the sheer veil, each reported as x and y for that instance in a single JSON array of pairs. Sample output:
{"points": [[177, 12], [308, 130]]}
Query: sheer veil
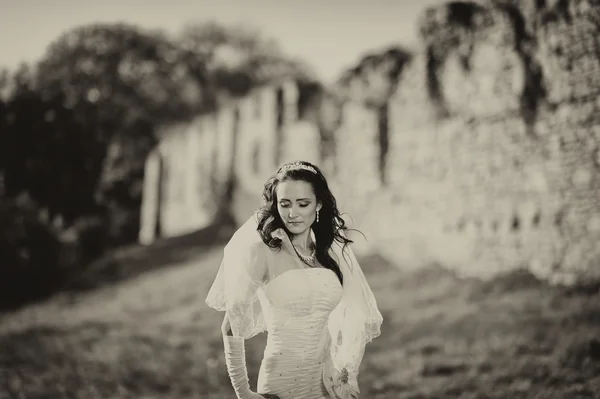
{"points": [[353, 323], [235, 289]]}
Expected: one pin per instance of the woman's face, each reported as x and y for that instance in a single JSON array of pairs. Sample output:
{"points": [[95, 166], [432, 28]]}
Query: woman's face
{"points": [[297, 205]]}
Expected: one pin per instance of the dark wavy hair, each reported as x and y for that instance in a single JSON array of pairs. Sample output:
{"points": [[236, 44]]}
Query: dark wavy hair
{"points": [[330, 225]]}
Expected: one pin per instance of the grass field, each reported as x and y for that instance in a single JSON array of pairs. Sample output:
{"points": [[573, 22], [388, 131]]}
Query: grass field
{"points": [[136, 326]]}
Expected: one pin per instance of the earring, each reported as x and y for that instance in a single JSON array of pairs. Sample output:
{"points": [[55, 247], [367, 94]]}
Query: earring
{"points": [[317, 216]]}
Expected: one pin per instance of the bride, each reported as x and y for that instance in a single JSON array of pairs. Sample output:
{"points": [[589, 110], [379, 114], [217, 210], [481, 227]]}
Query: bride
{"points": [[289, 271]]}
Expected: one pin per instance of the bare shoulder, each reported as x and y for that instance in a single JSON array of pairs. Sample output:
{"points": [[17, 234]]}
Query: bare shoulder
{"points": [[258, 248]]}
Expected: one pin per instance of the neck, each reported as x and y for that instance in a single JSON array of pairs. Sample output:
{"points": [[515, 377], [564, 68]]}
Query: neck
{"points": [[302, 241]]}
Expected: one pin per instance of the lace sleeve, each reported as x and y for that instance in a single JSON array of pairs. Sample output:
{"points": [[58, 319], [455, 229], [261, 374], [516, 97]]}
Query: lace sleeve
{"points": [[357, 320], [238, 279], [354, 323]]}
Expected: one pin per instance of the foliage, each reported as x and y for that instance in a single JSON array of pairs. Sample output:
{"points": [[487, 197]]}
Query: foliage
{"points": [[76, 126], [95, 85], [38, 254], [30, 252], [373, 79], [123, 74], [47, 155], [120, 84], [238, 58]]}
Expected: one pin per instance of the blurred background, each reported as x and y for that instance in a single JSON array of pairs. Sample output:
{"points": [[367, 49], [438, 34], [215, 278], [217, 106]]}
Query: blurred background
{"points": [[461, 137]]}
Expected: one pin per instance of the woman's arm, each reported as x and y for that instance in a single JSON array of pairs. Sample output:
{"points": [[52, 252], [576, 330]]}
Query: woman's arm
{"points": [[235, 353], [235, 358], [234, 291]]}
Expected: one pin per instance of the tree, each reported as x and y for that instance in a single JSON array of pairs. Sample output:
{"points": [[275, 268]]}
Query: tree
{"points": [[117, 83], [97, 87], [123, 73], [238, 58], [373, 79]]}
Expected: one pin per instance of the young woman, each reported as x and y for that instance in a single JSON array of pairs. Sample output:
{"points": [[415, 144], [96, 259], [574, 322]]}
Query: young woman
{"points": [[289, 271]]}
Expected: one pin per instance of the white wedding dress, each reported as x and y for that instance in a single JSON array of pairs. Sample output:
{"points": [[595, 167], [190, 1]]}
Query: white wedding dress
{"points": [[296, 306], [301, 308]]}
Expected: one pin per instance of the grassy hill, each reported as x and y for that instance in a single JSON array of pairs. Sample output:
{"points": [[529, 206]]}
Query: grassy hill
{"points": [[136, 326]]}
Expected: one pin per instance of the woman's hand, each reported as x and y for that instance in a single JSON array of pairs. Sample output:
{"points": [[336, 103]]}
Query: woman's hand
{"points": [[226, 326]]}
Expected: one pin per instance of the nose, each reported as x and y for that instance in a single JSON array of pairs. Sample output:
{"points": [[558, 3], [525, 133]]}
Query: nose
{"points": [[292, 214]]}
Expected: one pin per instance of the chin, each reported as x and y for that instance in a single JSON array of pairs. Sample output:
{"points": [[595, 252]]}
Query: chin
{"points": [[296, 229]]}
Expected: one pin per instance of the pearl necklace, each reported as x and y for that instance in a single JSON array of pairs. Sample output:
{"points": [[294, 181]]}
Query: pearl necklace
{"points": [[308, 259]]}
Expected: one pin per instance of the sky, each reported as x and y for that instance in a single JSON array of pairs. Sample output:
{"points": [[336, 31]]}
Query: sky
{"points": [[330, 35]]}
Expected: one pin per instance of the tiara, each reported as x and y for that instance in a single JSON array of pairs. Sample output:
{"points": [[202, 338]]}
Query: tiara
{"points": [[299, 165]]}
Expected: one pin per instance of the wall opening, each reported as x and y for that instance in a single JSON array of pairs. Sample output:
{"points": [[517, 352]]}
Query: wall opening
{"points": [[460, 226], [307, 93], [516, 224], [231, 175], [434, 89], [256, 158], [384, 144], [214, 161], [257, 105], [536, 219], [279, 119], [558, 218], [495, 226], [159, 197]]}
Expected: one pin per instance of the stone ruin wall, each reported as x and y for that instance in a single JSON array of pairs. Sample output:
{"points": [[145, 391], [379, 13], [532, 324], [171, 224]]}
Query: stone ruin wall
{"points": [[477, 178], [493, 167], [189, 173]]}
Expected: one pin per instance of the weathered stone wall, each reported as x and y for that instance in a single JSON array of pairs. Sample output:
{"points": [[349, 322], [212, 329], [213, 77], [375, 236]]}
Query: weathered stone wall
{"points": [[484, 158], [269, 137], [492, 161], [186, 154]]}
